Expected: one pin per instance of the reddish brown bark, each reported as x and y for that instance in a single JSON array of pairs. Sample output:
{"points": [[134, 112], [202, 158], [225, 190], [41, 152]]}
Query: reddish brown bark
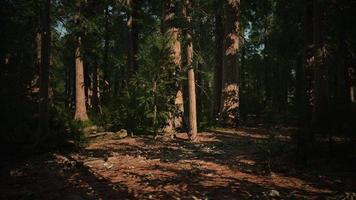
{"points": [[174, 121], [193, 129], [230, 79], [80, 106]]}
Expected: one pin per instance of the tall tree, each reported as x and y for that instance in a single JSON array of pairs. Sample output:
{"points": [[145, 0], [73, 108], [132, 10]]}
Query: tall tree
{"points": [[193, 129], [175, 118], [44, 68], [80, 107], [230, 75]]}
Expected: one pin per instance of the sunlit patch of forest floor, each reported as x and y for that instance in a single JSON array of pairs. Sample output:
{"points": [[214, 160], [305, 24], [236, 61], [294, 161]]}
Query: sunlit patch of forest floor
{"points": [[223, 164]]}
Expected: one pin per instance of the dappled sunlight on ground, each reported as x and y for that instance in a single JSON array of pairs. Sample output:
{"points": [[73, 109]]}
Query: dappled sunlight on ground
{"points": [[226, 164]]}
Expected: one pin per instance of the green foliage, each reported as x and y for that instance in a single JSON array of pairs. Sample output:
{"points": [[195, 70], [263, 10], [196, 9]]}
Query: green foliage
{"points": [[66, 130], [154, 83], [144, 105], [272, 41]]}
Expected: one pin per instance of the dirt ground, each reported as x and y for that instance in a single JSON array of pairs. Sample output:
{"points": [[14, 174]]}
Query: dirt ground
{"points": [[224, 164]]}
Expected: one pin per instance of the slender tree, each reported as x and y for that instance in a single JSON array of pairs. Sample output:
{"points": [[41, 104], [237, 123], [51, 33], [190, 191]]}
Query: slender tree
{"points": [[193, 129], [80, 107]]}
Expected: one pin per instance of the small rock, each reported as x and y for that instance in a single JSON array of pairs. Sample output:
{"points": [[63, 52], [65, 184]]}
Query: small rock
{"points": [[273, 193], [108, 165], [122, 133]]}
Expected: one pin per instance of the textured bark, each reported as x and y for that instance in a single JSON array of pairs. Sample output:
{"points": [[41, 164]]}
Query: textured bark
{"points": [[193, 129], [80, 107], [219, 62], [175, 120], [230, 79], [44, 71]]}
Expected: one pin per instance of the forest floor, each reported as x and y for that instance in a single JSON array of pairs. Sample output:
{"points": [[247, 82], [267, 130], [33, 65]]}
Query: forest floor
{"points": [[222, 164]]}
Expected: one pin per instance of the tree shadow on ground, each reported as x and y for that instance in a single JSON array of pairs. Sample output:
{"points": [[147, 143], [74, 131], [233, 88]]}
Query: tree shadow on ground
{"points": [[55, 177], [237, 152], [222, 165]]}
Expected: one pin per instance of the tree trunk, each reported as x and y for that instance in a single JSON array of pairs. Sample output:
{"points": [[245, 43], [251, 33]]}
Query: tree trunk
{"points": [[44, 71], [193, 129], [80, 107], [175, 120], [218, 62], [230, 78]]}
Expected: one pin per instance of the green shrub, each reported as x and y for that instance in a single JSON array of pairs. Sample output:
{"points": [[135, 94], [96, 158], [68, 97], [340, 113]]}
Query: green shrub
{"points": [[144, 105]]}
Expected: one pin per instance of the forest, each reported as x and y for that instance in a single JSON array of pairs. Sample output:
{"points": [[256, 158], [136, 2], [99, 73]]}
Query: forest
{"points": [[178, 99]]}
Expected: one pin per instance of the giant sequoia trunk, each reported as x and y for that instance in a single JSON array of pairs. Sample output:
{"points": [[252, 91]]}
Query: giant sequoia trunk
{"points": [[80, 107], [175, 119], [230, 78], [45, 62], [193, 129]]}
